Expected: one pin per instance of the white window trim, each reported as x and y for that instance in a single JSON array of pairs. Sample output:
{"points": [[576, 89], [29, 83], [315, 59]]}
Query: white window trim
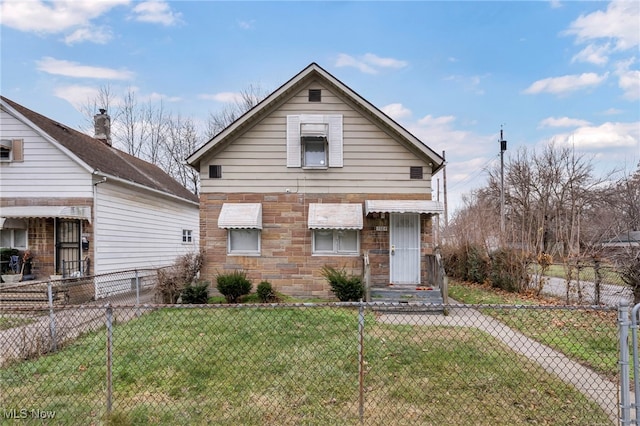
{"points": [[334, 138], [15, 147], [335, 251], [244, 252], [187, 236], [13, 238]]}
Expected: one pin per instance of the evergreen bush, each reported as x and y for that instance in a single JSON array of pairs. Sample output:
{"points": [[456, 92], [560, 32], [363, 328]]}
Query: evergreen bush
{"points": [[265, 292], [196, 293], [233, 285], [347, 288]]}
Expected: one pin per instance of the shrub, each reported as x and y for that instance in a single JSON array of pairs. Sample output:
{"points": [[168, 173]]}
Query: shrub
{"points": [[265, 292], [172, 280], [509, 270], [346, 288], [233, 285], [467, 263], [630, 275], [196, 293]]}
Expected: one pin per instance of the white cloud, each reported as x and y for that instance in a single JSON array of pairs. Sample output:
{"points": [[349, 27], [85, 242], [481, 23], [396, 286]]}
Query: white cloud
{"points": [[369, 63], [246, 25], [555, 4], [98, 35], [618, 23], [606, 136], [431, 121], [629, 82], [156, 12], [76, 95], [73, 69], [566, 84], [396, 111], [224, 97], [53, 16], [612, 111], [563, 122], [593, 54]]}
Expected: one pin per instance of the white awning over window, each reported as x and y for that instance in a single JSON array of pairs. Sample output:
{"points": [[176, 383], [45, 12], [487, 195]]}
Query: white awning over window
{"points": [[335, 216], [403, 206], [12, 223], [240, 215], [61, 212]]}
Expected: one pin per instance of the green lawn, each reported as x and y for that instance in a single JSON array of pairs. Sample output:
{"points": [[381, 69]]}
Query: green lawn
{"points": [[587, 335], [291, 366]]}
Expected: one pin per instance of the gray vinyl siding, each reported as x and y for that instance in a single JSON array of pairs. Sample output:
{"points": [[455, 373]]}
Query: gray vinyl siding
{"points": [[373, 161]]}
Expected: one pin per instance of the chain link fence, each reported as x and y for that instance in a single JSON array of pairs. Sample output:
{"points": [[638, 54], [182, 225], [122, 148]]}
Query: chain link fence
{"points": [[586, 282], [333, 363]]}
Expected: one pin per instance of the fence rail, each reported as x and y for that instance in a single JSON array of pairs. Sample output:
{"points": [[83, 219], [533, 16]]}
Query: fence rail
{"points": [[333, 363]]}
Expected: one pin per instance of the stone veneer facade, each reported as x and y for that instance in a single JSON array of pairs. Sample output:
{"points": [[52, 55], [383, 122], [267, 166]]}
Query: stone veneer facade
{"points": [[41, 232], [286, 260]]}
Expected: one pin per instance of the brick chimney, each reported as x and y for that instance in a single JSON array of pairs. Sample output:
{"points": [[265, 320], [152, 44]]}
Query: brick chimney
{"points": [[102, 126]]}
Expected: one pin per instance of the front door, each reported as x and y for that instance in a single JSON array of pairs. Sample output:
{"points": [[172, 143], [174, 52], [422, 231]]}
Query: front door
{"points": [[404, 253], [68, 234]]}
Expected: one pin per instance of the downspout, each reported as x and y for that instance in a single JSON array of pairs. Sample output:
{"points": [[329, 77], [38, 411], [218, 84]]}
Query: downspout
{"points": [[95, 227]]}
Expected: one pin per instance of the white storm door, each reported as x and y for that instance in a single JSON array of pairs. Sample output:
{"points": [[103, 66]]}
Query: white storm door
{"points": [[404, 252]]}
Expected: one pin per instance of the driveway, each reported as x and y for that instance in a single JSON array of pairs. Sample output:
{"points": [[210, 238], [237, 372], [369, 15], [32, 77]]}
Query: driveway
{"points": [[610, 294]]}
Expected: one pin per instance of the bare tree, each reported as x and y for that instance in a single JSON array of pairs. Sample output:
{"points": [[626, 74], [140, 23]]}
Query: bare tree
{"points": [[247, 99]]}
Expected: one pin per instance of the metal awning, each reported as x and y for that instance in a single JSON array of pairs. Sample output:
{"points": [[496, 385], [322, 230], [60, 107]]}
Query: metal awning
{"points": [[240, 215], [12, 223], [61, 212], [403, 206], [335, 216]]}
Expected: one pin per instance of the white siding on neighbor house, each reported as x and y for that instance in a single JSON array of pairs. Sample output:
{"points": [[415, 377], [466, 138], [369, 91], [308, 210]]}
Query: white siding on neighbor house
{"points": [[373, 161], [45, 172], [135, 229]]}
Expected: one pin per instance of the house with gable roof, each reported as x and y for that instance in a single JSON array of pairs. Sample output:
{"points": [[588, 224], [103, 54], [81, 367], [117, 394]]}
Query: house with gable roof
{"points": [[316, 175], [81, 206]]}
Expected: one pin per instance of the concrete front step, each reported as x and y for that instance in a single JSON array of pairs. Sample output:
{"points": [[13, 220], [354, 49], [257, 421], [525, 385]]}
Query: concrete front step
{"points": [[406, 294]]}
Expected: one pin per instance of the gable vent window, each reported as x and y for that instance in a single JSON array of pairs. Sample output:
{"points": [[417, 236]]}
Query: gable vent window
{"points": [[11, 150], [315, 95], [415, 172], [215, 172]]}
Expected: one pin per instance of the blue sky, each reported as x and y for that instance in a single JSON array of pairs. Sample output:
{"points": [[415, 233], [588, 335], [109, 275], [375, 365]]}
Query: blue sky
{"points": [[452, 72]]}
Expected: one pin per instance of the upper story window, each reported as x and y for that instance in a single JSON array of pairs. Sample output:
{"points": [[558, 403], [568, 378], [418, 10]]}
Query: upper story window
{"points": [[11, 150], [215, 171], [314, 141], [187, 236]]}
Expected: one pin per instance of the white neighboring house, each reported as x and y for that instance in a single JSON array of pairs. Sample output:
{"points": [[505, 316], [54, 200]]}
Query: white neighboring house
{"points": [[81, 206]]}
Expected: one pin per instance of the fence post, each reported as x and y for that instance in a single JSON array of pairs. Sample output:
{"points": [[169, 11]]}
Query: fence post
{"points": [[109, 313], [625, 391], [52, 318], [634, 360], [361, 361], [137, 288], [598, 279]]}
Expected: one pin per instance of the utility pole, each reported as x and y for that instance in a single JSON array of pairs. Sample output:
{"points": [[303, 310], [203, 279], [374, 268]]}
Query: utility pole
{"points": [[503, 148], [444, 187]]}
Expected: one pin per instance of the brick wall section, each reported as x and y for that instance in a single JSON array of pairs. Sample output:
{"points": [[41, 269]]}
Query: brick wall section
{"points": [[286, 260], [40, 232]]}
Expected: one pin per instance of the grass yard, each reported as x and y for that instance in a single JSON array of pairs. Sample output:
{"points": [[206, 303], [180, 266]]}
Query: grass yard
{"points": [[288, 365], [8, 321], [586, 335]]}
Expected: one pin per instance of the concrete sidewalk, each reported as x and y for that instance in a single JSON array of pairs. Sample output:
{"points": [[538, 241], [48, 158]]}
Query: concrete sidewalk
{"points": [[591, 384]]}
